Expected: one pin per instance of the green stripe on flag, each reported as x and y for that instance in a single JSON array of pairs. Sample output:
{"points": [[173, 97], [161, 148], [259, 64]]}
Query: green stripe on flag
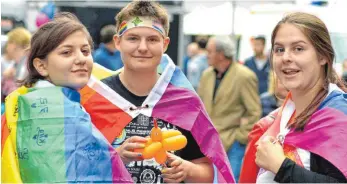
{"points": [[40, 136]]}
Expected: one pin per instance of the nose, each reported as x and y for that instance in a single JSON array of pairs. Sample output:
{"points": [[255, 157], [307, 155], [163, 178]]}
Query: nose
{"points": [[287, 56], [81, 58], [143, 46]]}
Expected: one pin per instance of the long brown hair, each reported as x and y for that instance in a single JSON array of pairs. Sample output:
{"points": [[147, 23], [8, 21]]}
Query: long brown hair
{"points": [[316, 31], [47, 38]]}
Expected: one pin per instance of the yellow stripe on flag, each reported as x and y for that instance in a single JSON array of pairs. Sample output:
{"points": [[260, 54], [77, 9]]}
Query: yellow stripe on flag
{"points": [[101, 72], [9, 160]]}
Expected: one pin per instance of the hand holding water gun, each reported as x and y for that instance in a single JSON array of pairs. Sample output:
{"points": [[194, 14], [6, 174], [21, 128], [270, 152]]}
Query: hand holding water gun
{"points": [[160, 142]]}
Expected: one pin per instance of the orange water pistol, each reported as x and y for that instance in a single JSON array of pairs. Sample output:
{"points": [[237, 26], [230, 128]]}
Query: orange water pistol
{"points": [[160, 142]]}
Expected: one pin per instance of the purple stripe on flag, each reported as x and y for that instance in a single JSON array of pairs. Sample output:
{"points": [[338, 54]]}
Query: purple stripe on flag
{"points": [[119, 173], [187, 111], [325, 135]]}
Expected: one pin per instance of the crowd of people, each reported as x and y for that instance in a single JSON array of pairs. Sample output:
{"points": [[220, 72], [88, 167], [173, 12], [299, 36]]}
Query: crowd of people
{"points": [[277, 117]]}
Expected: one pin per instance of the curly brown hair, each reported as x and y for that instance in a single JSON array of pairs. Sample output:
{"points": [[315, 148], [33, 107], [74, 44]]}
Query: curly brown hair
{"points": [[145, 9]]}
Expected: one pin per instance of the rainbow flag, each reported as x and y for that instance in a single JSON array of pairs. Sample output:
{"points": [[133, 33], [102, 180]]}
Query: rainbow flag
{"points": [[325, 134], [47, 137], [122, 27], [172, 99]]}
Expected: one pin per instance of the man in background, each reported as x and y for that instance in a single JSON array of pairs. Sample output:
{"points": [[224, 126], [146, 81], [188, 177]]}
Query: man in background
{"points": [[107, 55], [229, 92], [259, 63], [192, 50], [197, 64]]}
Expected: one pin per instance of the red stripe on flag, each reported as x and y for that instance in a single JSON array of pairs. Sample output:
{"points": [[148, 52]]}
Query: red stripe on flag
{"points": [[5, 132], [107, 117]]}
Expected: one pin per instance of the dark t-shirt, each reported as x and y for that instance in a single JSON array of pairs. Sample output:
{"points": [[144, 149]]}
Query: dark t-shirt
{"points": [[147, 171]]}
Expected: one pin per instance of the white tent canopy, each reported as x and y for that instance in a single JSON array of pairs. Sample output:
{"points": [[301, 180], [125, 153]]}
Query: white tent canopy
{"points": [[217, 20], [266, 16], [260, 20]]}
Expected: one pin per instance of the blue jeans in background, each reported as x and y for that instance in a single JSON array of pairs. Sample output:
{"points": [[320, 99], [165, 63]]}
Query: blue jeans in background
{"points": [[235, 155]]}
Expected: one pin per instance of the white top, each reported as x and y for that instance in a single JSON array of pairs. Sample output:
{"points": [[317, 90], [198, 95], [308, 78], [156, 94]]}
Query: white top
{"points": [[265, 176], [260, 63], [5, 64]]}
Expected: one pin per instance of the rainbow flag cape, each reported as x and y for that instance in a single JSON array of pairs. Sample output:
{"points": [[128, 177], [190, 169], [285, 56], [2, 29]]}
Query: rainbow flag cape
{"points": [[172, 99], [324, 134], [47, 137]]}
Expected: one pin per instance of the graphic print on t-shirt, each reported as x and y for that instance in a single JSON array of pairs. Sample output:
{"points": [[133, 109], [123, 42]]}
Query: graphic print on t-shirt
{"points": [[147, 171]]}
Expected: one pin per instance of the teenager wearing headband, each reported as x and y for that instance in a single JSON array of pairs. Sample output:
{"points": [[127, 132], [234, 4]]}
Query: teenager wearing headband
{"points": [[147, 88]]}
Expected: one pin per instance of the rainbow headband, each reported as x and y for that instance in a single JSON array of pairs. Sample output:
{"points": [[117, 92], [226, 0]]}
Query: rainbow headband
{"points": [[141, 22]]}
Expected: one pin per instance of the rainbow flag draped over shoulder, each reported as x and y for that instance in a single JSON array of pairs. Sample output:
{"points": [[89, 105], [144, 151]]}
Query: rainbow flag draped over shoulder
{"points": [[47, 137], [325, 134], [172, 99]]}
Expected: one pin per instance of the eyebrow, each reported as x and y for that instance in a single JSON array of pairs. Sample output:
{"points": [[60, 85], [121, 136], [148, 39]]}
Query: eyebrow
{"points": [[294, 43], [132, 34], [154, 36], [71, 46]]}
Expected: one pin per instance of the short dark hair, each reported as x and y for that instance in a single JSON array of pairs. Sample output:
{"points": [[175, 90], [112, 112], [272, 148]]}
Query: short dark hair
{"points": [[261, 38], [107, 33], [47, 38], [202, 43]]}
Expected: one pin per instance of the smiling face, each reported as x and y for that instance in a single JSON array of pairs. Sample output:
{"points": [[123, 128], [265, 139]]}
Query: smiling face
{"points": [[141, 48], [295, 60], [70, 64]]}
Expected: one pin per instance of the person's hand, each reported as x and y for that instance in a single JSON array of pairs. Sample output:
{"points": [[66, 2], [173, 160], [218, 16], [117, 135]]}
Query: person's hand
{"points": [[126, 150], [179, 169], [270, 155]]}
